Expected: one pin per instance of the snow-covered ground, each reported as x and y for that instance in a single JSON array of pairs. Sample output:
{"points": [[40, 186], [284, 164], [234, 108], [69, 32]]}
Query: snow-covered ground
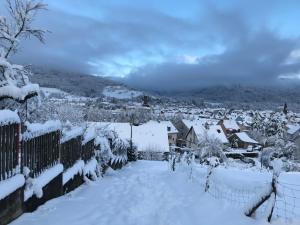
{"points": [[146, 193], [120, 92]]}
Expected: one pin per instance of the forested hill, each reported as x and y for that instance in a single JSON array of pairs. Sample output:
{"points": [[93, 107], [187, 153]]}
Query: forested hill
{"points": [[74, 83], [238, 93]]}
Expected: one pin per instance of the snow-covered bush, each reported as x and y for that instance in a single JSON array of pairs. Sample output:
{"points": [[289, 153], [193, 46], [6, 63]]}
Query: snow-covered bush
{"points": [[213, 162], [119, 151], [103, 153], [283, 150], [132, 153], [210, 146], [186, 163]]}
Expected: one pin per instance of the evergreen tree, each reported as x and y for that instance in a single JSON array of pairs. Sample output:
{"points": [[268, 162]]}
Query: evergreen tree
{"points": [[285, 110], [132, 153]]}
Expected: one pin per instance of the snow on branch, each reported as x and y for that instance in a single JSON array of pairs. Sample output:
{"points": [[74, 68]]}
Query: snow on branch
{"points": [[14, 82], [22, 14]]}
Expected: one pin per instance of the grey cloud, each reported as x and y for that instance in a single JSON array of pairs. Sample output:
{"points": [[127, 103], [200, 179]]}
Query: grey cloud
{"points": [[256, 60], [253, 55], [74, 40]]}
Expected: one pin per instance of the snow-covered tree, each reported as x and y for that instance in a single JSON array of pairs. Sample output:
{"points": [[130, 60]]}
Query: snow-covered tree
{"points": [[269, 125], [282, 149], [132, 153], [210, 146], [14, 28]]}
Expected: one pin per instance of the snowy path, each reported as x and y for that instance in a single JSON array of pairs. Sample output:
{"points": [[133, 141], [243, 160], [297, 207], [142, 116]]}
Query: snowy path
{"points": [[144, 193]]}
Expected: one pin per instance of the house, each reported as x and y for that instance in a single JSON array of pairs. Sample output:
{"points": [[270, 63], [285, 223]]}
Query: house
{"points": [[293, 134], [199, 132], [297, 143], [241, 140], [293, 131], [229, 127], [183, 126], [172, 132]]}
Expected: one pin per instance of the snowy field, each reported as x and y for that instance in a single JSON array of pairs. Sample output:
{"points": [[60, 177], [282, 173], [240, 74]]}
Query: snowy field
{"points": [[148, 193], [120, 92]]}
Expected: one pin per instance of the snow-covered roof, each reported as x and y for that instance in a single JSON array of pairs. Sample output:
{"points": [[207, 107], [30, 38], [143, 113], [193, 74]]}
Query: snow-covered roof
{"points": [[292, 128], [230, 125], [170, 127], [199, 122], [214, 131], [217, 132], [150, 136], [8, 117], [243, 136], [38, 129]]}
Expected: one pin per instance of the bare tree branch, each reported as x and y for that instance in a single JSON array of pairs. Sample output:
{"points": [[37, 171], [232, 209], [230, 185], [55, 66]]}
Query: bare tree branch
{"points": [[22, 14]]}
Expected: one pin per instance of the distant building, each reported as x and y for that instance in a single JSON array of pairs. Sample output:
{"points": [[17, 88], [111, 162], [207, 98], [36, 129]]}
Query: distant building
{"points": [[293, 134], [198, 132], [146, 101], [229, 127], [241, 140], [172, 132]]}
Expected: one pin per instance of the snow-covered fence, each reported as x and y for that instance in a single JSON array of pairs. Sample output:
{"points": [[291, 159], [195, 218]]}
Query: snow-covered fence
{"points": [[9, 148], [70, 150], [88, 150], [245, 195], [9, 143], [40, 146], [155, 156]]}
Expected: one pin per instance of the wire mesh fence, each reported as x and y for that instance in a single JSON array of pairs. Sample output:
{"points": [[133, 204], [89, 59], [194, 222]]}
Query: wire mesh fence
{"points": [[287, 205]]}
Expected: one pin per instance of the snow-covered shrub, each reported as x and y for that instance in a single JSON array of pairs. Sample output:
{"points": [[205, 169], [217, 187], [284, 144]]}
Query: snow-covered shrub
{"points": [[132, 153], [119, 151], [283, 150], [210, 146], [103, 153], [186, 163], [213, 162]]}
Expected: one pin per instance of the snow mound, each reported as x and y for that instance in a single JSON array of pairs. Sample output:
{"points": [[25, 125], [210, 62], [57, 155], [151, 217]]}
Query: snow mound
{"points": [[73, 133], [10, 185], [8, 117], [89, 135], [69, 174], [38, 129], [90, 169], [18, 93], [35, 186]]}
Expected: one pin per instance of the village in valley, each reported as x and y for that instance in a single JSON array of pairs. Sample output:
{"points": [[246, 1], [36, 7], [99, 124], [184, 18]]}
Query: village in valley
{"points": [[80, 149]]}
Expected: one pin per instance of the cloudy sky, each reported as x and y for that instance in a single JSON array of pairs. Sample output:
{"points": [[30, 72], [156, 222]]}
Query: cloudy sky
{"points": [[172, 45]]}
